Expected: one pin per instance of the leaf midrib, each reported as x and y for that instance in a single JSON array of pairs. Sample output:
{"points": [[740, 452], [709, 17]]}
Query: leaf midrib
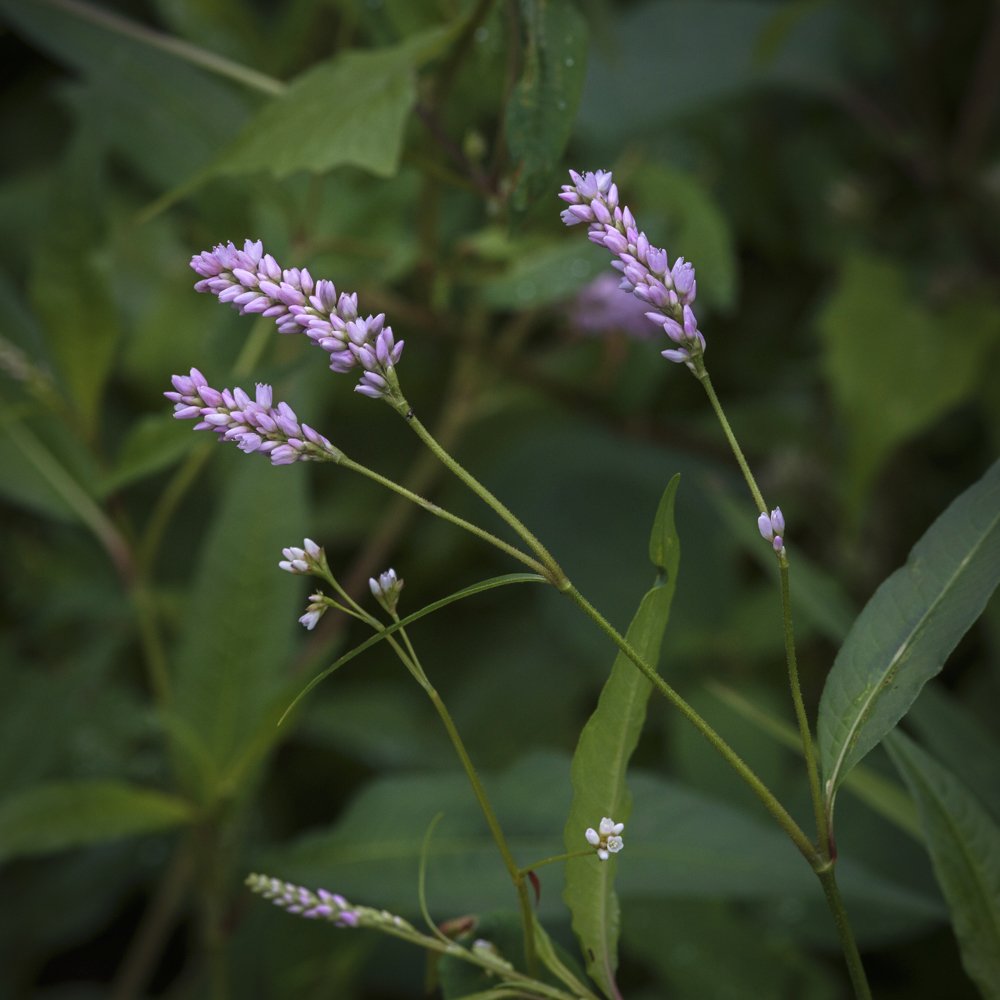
{"points": [[862, 716]]}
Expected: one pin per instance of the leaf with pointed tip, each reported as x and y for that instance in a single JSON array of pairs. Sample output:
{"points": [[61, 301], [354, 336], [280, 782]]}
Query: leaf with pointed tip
{"points": [[230, 666], [964, 844], [907, 630], [351, 110], [602, 754], [55, 816], [542, 107]]}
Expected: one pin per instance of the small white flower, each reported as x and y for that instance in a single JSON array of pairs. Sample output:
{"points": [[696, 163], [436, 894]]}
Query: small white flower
{"points": [[385, 589], [302, 560], [606, 838], [315, 611]]}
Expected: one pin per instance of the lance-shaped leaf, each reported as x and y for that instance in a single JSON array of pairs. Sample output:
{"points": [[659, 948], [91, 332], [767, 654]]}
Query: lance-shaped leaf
{"points": [[964, 843], [909, 627], [351, 110], [602, 755], [542, 107], [56, 816]]}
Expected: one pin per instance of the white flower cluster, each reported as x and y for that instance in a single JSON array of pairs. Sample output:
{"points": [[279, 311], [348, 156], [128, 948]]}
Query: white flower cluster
{"points": [[606, 838]]}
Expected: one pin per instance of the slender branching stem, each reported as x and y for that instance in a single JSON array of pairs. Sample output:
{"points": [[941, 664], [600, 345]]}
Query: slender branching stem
{"points": [[805, 734], [551, 569], [826, 855], [701, 373], [559, 579], [766, 796], [412, 663], [855, 967], [446, 515]]}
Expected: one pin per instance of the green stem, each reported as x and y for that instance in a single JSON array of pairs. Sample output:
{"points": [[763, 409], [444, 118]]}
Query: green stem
{"points": [[805, 734], [852, 956], [701, 373], [445, 515], [516, 875], [409, 659], [766, 796], [174, 46], [74, 496], [559, 579], [551, 569], [157, 664], [824, 869]]}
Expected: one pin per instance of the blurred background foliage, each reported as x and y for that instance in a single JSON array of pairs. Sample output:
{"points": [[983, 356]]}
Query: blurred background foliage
{"points": [[831, 168]]}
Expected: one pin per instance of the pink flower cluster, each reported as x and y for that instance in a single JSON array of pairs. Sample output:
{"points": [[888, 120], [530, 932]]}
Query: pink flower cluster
{"points": [[253, 282], [646, 271], [253, 424]]}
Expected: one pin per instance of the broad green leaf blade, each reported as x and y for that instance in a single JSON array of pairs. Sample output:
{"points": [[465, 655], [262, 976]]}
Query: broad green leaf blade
{"points": [[349, 111], [459, 595], [883, 358], [56, 816], [69, 283], [162, 114], [906, 631], [542, 107], [682, 212], [958, 740], [679, 844], [964, 843], [231, 665], [601, 760], [152, 444]]}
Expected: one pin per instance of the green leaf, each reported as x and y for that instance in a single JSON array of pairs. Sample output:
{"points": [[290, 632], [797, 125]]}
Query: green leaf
{"points": [[958, 740], [69, 287], [539, 276], [694, 223], [602, 754], [159, 112], [760, 961], [152, 444], [56, 816], [679, 844], [351, 110], [896, 364], [907, 630], [231, 665], [964, 844], [670, 58], [542, 107]]}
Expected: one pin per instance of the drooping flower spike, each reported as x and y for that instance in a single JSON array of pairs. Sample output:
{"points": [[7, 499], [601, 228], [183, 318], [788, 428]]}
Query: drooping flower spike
{"points": [[253, 282], [606, 838], [645, 269], [253, 424], [323, 905]]}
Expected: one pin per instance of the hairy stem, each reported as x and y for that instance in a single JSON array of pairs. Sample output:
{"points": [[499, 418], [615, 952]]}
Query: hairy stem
{"points": [[855, 967]]}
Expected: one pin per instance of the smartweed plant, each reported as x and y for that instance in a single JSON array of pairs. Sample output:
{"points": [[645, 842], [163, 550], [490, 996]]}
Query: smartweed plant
{"points": [[898, 643]]}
